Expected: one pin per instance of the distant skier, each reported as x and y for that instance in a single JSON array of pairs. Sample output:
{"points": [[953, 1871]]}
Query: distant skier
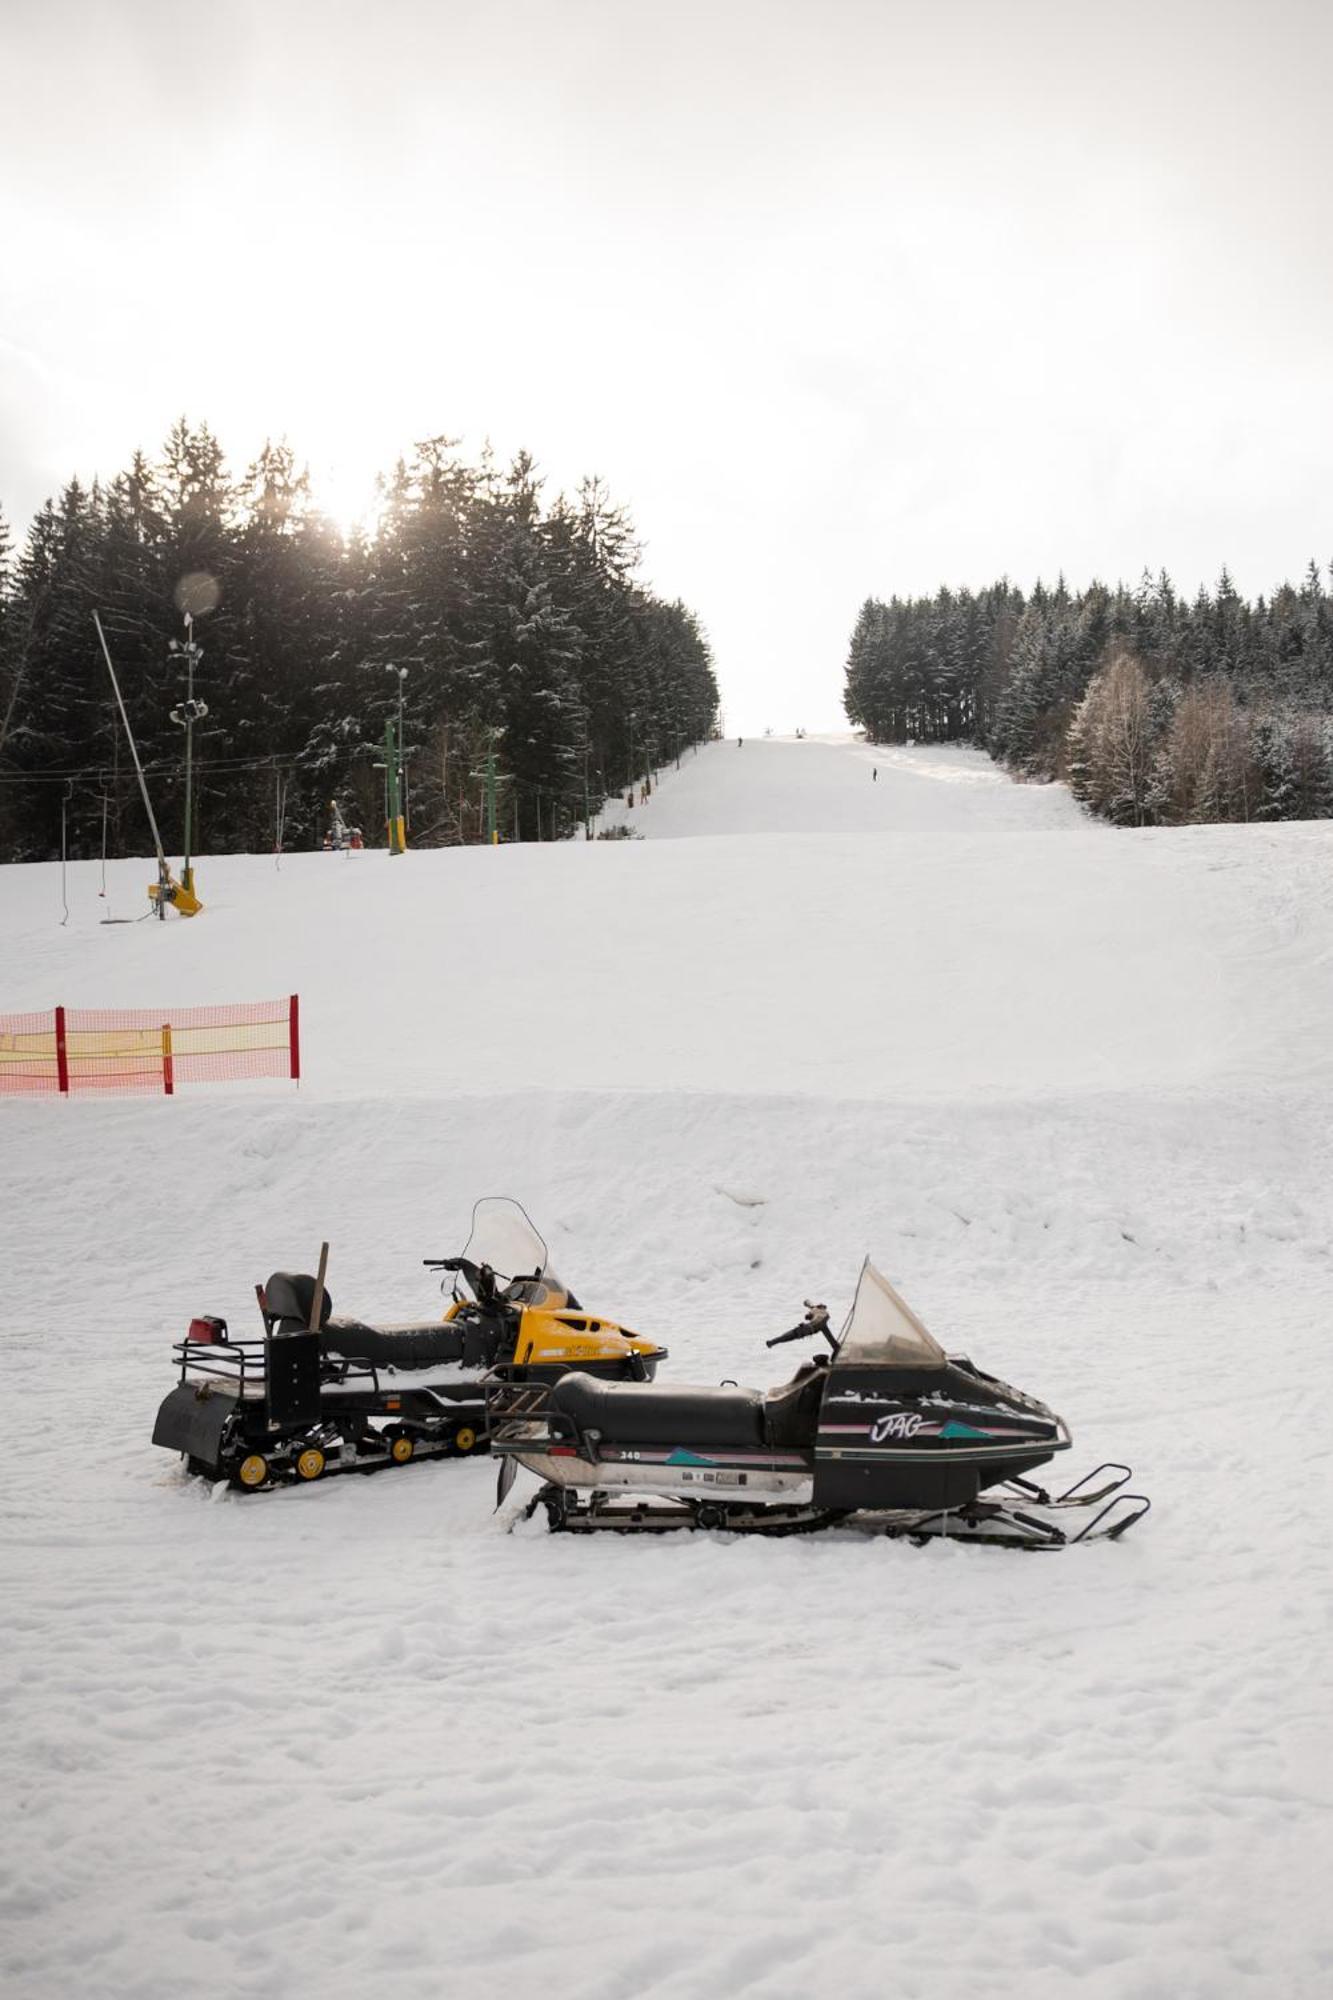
{"points": [[740, 742], [874, 774]]}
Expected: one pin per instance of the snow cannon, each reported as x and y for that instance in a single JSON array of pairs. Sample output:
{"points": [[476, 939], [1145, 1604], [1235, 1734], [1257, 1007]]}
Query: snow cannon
{"points": [[179, 896]]}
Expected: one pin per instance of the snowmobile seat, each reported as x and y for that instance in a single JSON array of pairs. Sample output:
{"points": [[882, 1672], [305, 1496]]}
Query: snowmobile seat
{"points": [[288, 1297], [644, 1413], [421, 1346]]}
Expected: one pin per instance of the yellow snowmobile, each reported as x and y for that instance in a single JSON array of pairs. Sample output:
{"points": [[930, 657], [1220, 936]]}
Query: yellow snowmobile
{"points": [[521, 1316], [345, 1395]]}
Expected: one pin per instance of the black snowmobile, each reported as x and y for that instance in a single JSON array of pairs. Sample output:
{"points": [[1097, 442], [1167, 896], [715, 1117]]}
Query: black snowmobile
{"points": [[886, 1431], [318, 1394]]}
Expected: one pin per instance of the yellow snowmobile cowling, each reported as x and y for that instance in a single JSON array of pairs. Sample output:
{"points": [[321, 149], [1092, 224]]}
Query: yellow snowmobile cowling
{"points": [[565, 1338], [536, 1326], [572, 1340]]}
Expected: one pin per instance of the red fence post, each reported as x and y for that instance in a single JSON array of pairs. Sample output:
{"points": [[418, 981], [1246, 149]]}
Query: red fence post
{"points": [[62, 1054], [294, 1036]]}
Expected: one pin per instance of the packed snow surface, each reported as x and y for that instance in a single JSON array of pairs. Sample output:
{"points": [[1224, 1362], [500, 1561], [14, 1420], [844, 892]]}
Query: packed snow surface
{"points": [[1071, 1089]]}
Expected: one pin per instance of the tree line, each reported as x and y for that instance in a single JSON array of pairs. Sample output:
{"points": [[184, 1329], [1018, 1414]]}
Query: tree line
{"points": [[530, 647], [1157, 709]]}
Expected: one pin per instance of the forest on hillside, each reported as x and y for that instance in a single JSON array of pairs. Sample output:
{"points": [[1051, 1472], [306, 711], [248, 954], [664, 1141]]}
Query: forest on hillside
{"points": [[526, 638], [1158, 710]]}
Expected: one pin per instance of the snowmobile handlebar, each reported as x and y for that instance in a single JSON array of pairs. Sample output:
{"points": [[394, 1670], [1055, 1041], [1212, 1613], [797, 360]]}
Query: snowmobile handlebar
{"points": [[815, 1321], [481, 1277]]}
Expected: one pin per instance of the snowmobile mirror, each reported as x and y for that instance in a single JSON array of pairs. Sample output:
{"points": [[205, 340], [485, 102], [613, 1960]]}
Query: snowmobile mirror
{"points": [[445, 1264]]}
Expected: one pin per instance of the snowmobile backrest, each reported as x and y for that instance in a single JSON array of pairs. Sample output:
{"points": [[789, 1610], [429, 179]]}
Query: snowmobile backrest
{"points": [[791, 1413], [288, 1297]]}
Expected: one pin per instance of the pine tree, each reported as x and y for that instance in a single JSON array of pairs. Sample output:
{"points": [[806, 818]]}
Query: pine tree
{"points": [[59, 703], [1310, 753], [1018, 675], [1275, 769], [521, 631]]}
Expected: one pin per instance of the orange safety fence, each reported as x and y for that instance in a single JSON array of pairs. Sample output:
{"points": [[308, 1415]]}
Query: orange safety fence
{"points": [[147, 1049]]}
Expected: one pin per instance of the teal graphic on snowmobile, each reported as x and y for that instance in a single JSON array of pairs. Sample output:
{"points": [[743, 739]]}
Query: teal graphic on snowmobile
{"points": [[886, 1431], [318, 1394]]}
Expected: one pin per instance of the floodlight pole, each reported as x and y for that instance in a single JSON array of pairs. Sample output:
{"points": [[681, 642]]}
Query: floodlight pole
{"points": [[189, 745], [395, 791], [194, 711], [391, 786], [393, 772]]}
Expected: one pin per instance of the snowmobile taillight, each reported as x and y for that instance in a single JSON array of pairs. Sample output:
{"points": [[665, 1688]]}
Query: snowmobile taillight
{"points": [[207, 1329]]}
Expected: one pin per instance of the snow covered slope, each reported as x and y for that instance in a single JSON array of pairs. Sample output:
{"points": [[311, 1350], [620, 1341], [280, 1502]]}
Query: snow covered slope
{"points": [[1070, 1087], [823, 784]]}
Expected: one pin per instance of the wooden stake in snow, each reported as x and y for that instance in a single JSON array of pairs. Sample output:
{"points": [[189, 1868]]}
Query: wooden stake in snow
{"points": [[317, 1302]]}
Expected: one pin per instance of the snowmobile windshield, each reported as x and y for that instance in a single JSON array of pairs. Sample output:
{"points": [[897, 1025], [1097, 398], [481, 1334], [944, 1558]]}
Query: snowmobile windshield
{"points": [[504, 1236], [882, 1331]]}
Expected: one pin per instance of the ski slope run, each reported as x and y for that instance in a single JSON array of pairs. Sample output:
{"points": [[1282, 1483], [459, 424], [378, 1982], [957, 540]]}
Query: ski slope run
{"points": [[1071, 1089]]}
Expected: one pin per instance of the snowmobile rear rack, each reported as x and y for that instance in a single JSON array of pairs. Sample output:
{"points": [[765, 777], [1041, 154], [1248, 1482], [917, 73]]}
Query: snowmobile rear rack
{"points": [[514, 1403], [239, 1366]]}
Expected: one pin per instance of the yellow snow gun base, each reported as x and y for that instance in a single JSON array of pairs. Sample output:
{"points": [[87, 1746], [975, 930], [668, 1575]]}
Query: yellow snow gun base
{"points": [[180, 895]]}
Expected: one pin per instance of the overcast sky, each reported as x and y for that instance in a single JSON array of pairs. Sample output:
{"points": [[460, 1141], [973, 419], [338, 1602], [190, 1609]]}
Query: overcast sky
{"points": [[841, 297]]}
